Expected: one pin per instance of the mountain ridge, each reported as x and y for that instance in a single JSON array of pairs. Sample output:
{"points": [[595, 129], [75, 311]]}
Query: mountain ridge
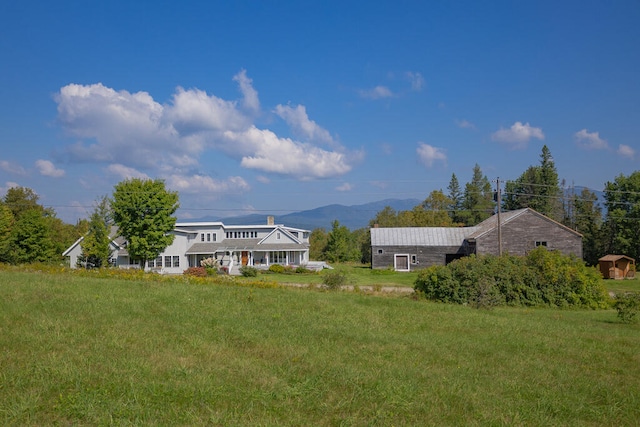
{"points": [[353, 216]]}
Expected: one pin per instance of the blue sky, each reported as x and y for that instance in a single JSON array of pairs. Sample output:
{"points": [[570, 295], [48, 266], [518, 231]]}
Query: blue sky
{"points": [[271, 107]]}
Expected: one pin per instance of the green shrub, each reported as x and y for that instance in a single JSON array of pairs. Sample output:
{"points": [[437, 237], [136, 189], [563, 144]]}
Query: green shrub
{"points": [[542, 278], [276, 268], [628, 306], [248, 271], [303, 270], [334, 280], [486, 294]]}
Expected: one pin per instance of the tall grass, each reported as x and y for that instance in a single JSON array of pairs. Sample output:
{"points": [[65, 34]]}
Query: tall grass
{"points": [[86, 351]]}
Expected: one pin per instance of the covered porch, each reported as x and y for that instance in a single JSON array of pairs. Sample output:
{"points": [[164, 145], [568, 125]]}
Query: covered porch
{"points": [[254, 255]]}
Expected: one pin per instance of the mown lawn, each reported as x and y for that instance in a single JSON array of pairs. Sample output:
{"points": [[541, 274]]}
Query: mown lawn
{"points": [[357, 275], [622, 286], [89, 351]]}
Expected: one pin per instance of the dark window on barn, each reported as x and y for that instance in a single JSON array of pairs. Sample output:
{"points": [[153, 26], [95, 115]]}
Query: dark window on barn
{"points": [[452, 257], [541, 243], [414, 259], [379, 251]]}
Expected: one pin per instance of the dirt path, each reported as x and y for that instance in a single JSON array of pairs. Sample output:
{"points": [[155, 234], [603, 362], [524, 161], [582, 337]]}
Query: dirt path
{"points": [[401, 290]]}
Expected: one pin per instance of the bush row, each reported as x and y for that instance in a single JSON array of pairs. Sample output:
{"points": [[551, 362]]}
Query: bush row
{"points": [[542, 278]]}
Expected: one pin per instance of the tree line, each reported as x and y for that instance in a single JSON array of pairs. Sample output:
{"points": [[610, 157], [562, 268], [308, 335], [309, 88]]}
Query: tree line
{"points": [[617, 230], [143, 211]]}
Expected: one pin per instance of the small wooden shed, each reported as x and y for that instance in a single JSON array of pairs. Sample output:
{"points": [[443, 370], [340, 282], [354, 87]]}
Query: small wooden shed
{"points": [[617, 266]]}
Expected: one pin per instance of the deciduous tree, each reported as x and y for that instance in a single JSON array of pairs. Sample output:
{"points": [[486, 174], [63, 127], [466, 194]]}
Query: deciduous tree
{"points": [[143, 210], [621, 228], [96, 244]]}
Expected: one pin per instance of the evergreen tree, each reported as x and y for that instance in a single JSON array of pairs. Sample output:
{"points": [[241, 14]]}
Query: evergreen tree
{"points": [[340, 246], [587, 215], [456, 198], [537, 188], [478, 202]]}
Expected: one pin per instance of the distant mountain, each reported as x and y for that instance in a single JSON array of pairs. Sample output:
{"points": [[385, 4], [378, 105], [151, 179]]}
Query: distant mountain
{"points": [[353, 217]]}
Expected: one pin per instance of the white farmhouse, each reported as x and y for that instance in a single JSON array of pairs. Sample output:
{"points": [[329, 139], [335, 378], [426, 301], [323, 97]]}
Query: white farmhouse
{"points": [[233, 246]]}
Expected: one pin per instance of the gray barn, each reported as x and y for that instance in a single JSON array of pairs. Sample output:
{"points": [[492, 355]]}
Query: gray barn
{"points": [[410, 248]]}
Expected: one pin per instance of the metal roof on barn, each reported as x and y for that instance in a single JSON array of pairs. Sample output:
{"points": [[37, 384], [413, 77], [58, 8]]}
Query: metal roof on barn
{"points": [[420, 236]]}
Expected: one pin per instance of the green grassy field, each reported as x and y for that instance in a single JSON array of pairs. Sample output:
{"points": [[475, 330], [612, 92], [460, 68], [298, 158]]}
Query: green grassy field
{"points": [[88, 351], [357, 275]]}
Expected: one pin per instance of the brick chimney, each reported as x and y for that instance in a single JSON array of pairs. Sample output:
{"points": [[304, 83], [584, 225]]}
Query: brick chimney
{"points": [[270, 220]]}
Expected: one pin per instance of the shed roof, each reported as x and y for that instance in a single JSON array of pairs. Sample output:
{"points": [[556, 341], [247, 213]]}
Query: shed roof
{"points": [[612, 257]]}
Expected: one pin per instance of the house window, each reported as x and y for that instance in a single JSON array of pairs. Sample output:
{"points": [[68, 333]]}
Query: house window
{"points": [[202, 237], [278, 236], [541, 243], [277, 257], [208, 237], [213, 236], [159, 261], [167, 261], [176, 261], [380, 251]]}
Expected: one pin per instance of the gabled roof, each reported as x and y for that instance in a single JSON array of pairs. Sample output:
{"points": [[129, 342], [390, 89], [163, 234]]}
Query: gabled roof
{"points": [[284, 231], [614, 258], [449, 236], [491, 223], [115, 240], [419, 236]]}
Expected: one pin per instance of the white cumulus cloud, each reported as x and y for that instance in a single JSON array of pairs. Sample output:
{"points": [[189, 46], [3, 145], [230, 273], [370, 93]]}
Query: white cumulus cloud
{"points": [[344, 187], [590, 140], [7, 186], [298, 119], [518, 135], [378, 92], [12, 168], [125, 172], [429, 154], [135, 135], [416, 80], [465, 124], [46, 168], [206, 186], [626, 151], [263, 150], [250, 101]]}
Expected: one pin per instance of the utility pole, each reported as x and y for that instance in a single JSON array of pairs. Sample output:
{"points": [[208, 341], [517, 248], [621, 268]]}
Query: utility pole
{"points": [[499, 201]]}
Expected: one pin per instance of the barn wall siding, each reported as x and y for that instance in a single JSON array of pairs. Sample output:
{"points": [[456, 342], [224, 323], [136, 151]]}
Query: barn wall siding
{"points": [[519, 236], [425, 255]]}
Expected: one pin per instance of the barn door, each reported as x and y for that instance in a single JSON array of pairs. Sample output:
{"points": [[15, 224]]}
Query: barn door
{"points": [[401, 262]]}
